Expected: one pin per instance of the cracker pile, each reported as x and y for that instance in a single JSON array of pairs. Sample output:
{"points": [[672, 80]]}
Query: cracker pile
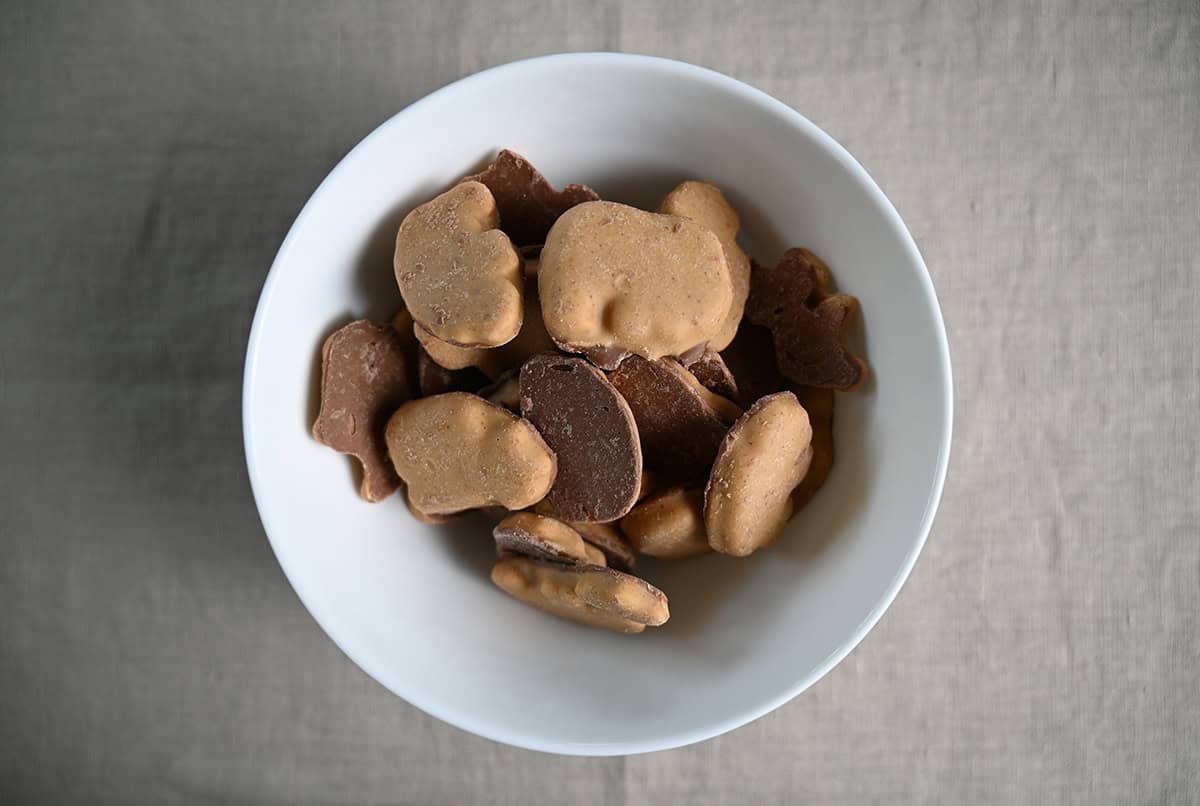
{"points": [[603, 381]]}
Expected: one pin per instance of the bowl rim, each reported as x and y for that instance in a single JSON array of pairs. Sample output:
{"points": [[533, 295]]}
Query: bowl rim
{"points": [[446, 712]]}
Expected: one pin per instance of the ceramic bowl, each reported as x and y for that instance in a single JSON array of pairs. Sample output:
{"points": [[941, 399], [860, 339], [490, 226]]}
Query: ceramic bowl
{"points": [[412, 603]]}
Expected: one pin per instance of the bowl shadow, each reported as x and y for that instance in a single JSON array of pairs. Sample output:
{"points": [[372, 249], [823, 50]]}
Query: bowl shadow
{"points": [[467, 540]]}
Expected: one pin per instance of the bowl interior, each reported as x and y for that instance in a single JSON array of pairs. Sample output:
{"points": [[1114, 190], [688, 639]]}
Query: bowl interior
{"points": [[412, 603]]}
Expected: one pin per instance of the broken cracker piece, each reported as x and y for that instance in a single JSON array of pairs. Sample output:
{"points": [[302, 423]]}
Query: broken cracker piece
{"points": [[712, 372]]}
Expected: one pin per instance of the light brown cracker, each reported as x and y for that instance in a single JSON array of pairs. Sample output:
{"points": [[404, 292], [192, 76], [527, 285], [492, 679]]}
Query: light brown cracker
{"points": [[589, 595], [457, 451], [761, 461], [669, 525], [704, 203], [460, 276], [616, 280]]}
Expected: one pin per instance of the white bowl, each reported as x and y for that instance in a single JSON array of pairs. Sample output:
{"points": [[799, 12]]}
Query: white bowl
{"points": [[412, 604]]}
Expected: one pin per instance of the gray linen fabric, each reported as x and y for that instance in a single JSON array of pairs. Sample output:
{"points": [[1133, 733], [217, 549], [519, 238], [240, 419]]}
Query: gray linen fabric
{"points": [[1046, 158]]}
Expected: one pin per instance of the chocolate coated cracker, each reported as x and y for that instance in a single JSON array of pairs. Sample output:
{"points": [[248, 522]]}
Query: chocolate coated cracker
{"points": [[680, 431], [710, 369], [529, 205], [808, 326], [765, 456], [364, 378], [590, 428]]}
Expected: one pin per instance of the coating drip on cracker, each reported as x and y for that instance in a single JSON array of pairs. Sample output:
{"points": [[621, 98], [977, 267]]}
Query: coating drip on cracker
{"points": [[599, 381]]}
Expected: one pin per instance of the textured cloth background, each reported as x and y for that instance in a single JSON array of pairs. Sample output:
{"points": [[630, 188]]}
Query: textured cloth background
{"points": [[1047, 160]]}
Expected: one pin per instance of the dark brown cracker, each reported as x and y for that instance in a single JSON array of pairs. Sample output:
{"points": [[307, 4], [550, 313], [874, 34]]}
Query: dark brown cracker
{"points": [[821, 271], [364, 378], [819, 405], [808, 327], [710, 369], [590, 427], [750, 357], [528, 204], [680, 431], [435, 380]]}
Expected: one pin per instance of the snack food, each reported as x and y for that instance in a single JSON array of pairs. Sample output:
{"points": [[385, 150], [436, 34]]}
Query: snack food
{"points": [[587, 594], [714, 375], [460, 276], [808, 325], [615, 280], [546, 538], [669, 525], [425, 517], [616, 549], [528, 204], [591, 429], [679, 424], [579, 471], [762, 460], [704, 203], [364, 377], [457, 451], [493, 361]]}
